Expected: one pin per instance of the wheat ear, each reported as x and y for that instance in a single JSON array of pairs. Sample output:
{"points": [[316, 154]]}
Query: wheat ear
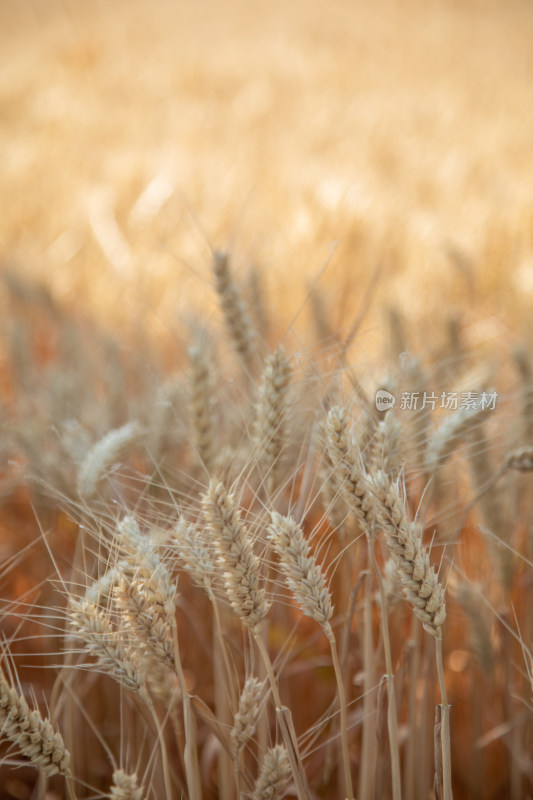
{"points": [[33, 735], [245, 719], [125, 787], [101, 639], [420, 583], [520, 459], [274, 775], [201, 404], [234, 308], [443, 441], [102, 456], [271, 414], [240, 566], [349, 467], [385, 453]]}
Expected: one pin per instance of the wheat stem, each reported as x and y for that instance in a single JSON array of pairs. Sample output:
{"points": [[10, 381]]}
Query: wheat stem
{"points": [[284, 718]]}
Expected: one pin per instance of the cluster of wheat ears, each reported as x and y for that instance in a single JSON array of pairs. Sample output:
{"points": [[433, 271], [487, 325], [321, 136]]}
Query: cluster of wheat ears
{"points": [[254, 602]]}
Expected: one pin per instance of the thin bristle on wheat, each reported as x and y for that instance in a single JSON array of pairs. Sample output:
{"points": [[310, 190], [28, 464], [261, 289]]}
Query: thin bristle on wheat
{"points": [[102, 456], [234, 308], [236, 557], [247, 714], [33, 735], [302, 574], [420, 583], [274, 775], [271, 412], [125, 787]]}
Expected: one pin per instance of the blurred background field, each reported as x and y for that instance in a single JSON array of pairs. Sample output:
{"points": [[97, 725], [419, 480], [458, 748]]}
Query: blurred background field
{"points": [[390, 135]]}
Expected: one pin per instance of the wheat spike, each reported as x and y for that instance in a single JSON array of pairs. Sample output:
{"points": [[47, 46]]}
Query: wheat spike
{"points": [[102, 640], [125, 787], [520, 459], [443, 441], [271, 413], [201, 404], [247, 714], [102, 456], [239, 564], [349, 466], [234, 308], [194, 553], [274, 775], [303, 575], [33, 735], [385, 445], [420, 583], [147, 607]]}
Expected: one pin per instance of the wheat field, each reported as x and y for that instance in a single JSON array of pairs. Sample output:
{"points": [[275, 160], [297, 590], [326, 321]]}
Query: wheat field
{"points": [[266, 522]]}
